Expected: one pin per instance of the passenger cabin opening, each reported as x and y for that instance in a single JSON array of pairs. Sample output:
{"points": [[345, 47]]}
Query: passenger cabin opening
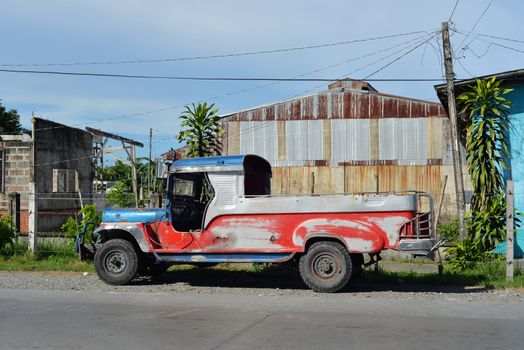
{"points": [[188, 194], [198, 185]]}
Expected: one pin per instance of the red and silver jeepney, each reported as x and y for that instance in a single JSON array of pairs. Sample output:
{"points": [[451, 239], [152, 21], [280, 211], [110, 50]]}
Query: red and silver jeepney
{"points": [[220, 209]]}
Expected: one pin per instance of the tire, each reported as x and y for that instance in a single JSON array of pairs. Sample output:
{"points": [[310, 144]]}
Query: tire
{"points": [[326, 267], [357, 261], [116, 262]]}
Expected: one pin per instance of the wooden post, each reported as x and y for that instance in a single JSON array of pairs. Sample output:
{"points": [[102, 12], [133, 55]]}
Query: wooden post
{"points": [[452, 110], [440, 202], [133, 174], [510, 234], [32, 234], [32, 205], [149, 168], [312, 183], [14, 210]]}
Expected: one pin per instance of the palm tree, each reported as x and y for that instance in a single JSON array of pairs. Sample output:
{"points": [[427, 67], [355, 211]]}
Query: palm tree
{"points": [[201, 130]]}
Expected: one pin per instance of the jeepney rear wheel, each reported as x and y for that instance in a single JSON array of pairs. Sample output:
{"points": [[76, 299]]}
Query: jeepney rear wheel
{"points": [[326, 267], [116, 262]]}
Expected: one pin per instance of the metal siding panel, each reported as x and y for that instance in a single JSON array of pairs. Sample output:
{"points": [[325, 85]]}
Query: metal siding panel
{"points": [[386, 134], [292, 140], [338, 140], [315, 140], [357, 140], [246, 138]]}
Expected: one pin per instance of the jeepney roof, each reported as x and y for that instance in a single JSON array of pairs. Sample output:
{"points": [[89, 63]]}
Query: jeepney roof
{"points": [[248, 163]]}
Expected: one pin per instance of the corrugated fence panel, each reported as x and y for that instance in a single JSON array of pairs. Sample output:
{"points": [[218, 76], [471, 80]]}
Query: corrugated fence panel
{"points": [[350, 140], [315, 140], [259, 138], [403, 139], [247, 140], [303, 140]]}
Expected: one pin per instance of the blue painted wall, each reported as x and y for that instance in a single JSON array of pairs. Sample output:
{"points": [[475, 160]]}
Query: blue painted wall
{"points": [[516, 138]]}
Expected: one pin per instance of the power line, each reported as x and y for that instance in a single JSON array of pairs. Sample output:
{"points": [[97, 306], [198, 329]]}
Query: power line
{"points": [[400, 57], [453, 11], [475, 25], [193, 58], [493, 43], [168, 77]]}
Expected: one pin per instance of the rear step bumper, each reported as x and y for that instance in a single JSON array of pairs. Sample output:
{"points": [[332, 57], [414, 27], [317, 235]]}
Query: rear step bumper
{"points": [[418, 246]]}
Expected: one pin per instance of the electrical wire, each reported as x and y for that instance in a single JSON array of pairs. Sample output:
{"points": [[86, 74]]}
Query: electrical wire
{"points": [[453, 11], [192, 58], [131, 76], [475, 26]]}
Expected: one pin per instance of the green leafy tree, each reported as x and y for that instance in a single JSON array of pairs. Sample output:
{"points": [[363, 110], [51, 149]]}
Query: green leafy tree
{"points": [[487, 145], [9, 120], [201, 130], [120, 195]]}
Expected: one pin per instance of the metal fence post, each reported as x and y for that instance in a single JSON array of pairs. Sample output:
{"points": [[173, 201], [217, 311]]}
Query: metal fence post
{"points": [[509, 230]]}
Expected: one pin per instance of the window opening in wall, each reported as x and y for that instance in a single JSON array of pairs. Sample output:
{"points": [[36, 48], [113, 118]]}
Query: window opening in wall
{"points": [[65, 180]]}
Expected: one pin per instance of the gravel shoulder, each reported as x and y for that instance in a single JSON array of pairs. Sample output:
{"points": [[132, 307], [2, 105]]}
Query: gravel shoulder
{"points": [[235, 283]]}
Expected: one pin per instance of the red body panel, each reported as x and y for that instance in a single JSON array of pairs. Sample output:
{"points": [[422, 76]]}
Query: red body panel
{"points": [[361, 232]]}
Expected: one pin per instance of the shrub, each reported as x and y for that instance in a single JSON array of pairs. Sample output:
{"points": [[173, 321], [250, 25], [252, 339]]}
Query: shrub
{"points": [[7, 232], [89, 214], [450, 231], [465, 255]]}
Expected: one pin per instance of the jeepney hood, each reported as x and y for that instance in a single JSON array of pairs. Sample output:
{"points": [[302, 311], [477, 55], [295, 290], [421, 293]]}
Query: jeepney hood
{"points": [[134, 215]]}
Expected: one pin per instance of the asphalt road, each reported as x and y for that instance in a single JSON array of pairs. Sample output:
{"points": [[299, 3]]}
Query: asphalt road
{"points": [[57, 319]]}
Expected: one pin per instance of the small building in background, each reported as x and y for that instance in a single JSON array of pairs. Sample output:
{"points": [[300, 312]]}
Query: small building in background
{"points": [[350, 138], [60, 157], [512, 80]]}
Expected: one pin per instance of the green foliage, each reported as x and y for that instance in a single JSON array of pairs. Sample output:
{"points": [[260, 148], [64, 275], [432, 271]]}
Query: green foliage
{"points": [[487, 118], [7, 232], [486, 143], [466, 255], [120, 196], [9, 120], [88, 214], [201, 130], [450, 230]]}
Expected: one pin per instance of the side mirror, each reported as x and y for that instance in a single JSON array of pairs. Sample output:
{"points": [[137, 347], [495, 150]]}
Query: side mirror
{"points": [[162, 168]]}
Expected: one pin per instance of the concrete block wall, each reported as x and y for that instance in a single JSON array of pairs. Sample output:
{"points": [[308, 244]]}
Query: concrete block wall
{"points": [[17, 161]]}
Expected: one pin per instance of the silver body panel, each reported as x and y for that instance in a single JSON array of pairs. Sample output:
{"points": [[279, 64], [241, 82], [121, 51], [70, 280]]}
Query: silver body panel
{"points": [[230, 200]]}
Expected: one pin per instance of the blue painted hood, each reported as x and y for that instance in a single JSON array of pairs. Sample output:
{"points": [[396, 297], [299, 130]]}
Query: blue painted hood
{"points": [[134, 215]]}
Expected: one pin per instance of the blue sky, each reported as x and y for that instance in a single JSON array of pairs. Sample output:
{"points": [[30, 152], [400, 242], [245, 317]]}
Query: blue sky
{"points": [[52, 31]]}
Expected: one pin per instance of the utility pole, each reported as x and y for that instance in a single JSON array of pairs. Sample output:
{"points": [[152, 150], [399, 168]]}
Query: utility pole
{"points": [[452, 110], [149, 169]]}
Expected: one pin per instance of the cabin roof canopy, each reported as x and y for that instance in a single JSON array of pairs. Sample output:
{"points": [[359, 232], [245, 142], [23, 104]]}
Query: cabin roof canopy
{"points": [[248, 163]]}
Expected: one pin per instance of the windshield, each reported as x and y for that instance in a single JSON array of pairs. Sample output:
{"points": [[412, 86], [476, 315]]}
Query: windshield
{"points": [[184, 187]]}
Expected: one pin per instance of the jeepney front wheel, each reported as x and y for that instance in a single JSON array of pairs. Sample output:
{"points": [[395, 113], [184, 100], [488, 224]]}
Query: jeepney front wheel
{"points": [[326, 267], [116, 262]]}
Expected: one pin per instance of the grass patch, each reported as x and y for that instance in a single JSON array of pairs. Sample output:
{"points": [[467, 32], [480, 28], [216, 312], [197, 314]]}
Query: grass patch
{"points": [[54, 254], [487, 274]]}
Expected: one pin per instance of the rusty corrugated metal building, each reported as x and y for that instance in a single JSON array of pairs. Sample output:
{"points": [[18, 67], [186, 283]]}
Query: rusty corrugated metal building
{"points": [[350, 138]]}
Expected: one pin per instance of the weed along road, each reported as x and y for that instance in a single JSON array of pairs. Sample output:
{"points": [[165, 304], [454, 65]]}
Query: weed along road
{"points": [[69, 311]]}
